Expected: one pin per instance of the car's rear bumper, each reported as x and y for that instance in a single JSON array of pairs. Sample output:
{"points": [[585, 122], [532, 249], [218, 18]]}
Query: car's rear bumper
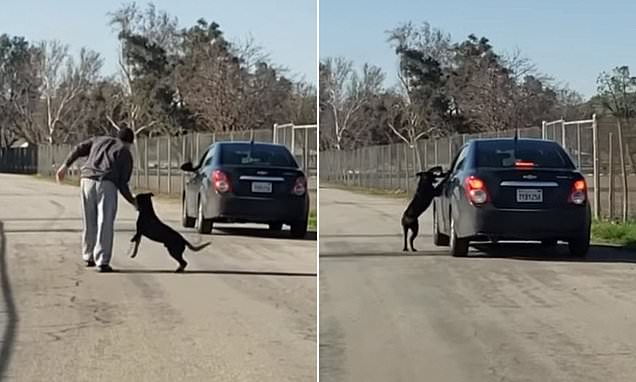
{"points": [[492, 223], [232, 208]]}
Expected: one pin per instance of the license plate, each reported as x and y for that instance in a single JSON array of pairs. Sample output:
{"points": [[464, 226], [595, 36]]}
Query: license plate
{"points": [[262, 187], [525, 195]]}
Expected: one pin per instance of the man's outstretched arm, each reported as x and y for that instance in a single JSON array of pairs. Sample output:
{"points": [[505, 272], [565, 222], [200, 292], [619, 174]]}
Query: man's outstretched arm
{"points": [[125, 167], [81, 150]]}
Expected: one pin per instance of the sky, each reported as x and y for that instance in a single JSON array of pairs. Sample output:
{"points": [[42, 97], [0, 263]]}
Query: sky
{"points": [[285, 28], [571, 40]]}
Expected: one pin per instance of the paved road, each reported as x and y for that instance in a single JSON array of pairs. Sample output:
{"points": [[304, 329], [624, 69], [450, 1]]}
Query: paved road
{"points": [[245, 312], [516, 314]]}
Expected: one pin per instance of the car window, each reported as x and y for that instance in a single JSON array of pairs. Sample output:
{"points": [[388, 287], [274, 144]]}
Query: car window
{"points": [[460, 160], [210, 157], [255, 154], [505, 153], [202, 160]]}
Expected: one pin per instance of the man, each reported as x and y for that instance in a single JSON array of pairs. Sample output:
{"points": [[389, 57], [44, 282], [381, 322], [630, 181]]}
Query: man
{"points": [[107, 169]]}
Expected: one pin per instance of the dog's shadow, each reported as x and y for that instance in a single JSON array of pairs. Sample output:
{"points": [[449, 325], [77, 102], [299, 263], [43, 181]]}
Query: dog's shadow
{"points": [[217, 272]]}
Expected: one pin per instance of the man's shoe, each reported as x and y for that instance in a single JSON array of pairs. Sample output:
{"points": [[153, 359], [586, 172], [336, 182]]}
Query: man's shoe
{"points": [[105, 268], [89, 263]]}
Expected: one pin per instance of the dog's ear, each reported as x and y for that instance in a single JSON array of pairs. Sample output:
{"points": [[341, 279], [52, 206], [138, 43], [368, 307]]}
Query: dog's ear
{"points": [[151, 194], [420, 173]]}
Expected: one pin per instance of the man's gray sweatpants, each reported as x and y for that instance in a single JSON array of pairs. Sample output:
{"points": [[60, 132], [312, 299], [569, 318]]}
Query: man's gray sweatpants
{"points": [[99, 207]]}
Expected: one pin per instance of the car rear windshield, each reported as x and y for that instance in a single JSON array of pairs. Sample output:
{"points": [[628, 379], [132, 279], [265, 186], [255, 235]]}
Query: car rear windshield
{"points": [[506, 153], [257, 155]]}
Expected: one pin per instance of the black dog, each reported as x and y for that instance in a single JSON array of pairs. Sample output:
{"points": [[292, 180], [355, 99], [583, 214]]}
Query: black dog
{"points": [[426, 191], [149, 225]]}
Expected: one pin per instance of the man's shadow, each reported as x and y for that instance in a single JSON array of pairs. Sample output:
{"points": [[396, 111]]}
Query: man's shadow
{"points": [[219, 272]]}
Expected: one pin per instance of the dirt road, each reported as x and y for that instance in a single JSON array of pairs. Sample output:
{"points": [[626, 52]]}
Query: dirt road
{"points": [[245, 311], [515, 314]]}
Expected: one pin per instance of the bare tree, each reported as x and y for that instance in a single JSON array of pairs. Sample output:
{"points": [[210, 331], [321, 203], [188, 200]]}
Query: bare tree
{"points": [[618, 95], [424, 38], [156, 27], [250, 53], [424, 53], [19, 94], [63, 80], [344, 92]]}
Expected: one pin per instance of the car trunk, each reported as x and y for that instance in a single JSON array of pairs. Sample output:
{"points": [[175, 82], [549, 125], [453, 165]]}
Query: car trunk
{"points": [[513, 188], [260, 181]]}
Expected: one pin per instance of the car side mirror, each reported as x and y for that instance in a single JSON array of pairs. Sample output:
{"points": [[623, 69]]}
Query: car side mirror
{"points": [[187, 167]]}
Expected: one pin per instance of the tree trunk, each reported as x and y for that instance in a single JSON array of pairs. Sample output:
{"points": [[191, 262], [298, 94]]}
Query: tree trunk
{"points": [[621, 153], [416, 156]]}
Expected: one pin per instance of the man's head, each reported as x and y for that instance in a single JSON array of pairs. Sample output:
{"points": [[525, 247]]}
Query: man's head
{"points": [[126, 135]]}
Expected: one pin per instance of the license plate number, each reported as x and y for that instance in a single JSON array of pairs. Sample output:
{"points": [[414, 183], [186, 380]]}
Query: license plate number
{"points": [[525, 195], [262, 187]]}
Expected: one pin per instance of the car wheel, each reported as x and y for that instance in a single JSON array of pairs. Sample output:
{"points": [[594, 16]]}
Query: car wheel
{"points": [[458, 247], [203, 226], [275, 226], [439, 239], [299, 229], [186, 221], [580, 246]]}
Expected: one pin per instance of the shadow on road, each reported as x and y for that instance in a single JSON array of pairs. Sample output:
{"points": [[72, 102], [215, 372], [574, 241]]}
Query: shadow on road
{"points": [[8, 338], [53, 220], [369, 235], [514, 251], [259, 232], [220, 231], [219, 272], [535, 252], [405, 255], [64, 230]]}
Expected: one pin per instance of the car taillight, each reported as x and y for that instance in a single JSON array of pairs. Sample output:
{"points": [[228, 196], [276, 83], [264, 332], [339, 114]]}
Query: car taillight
{"points": [[476, 190], [300, 187], [221, 181], [578, 195]]}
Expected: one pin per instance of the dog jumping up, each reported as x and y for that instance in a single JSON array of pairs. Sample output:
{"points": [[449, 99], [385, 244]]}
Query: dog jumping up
{"points": [[424, 195], [149, 225]]}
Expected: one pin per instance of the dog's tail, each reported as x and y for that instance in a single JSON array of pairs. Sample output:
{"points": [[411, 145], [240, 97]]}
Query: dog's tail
{"points": [[197, 248]]}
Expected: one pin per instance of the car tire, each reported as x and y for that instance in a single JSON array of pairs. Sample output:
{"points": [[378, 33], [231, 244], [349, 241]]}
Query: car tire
{"points": [[439, 239], [458, 247], [299, 229], [203, 226], [580, 246], [186, 221], [275, 226]]}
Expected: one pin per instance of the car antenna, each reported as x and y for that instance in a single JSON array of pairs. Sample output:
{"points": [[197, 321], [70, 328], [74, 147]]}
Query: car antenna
{"points": [[514, 145]]}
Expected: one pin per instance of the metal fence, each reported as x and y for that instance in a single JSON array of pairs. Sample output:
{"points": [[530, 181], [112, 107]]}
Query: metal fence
{"points": [[591, 143], [19, 160], [158, 159], [302, 141]]}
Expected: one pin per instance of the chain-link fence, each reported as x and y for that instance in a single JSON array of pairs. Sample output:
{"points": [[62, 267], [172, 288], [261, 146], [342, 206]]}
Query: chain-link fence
{"points": [[158, 159], [302, 141], [592, 144]]}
